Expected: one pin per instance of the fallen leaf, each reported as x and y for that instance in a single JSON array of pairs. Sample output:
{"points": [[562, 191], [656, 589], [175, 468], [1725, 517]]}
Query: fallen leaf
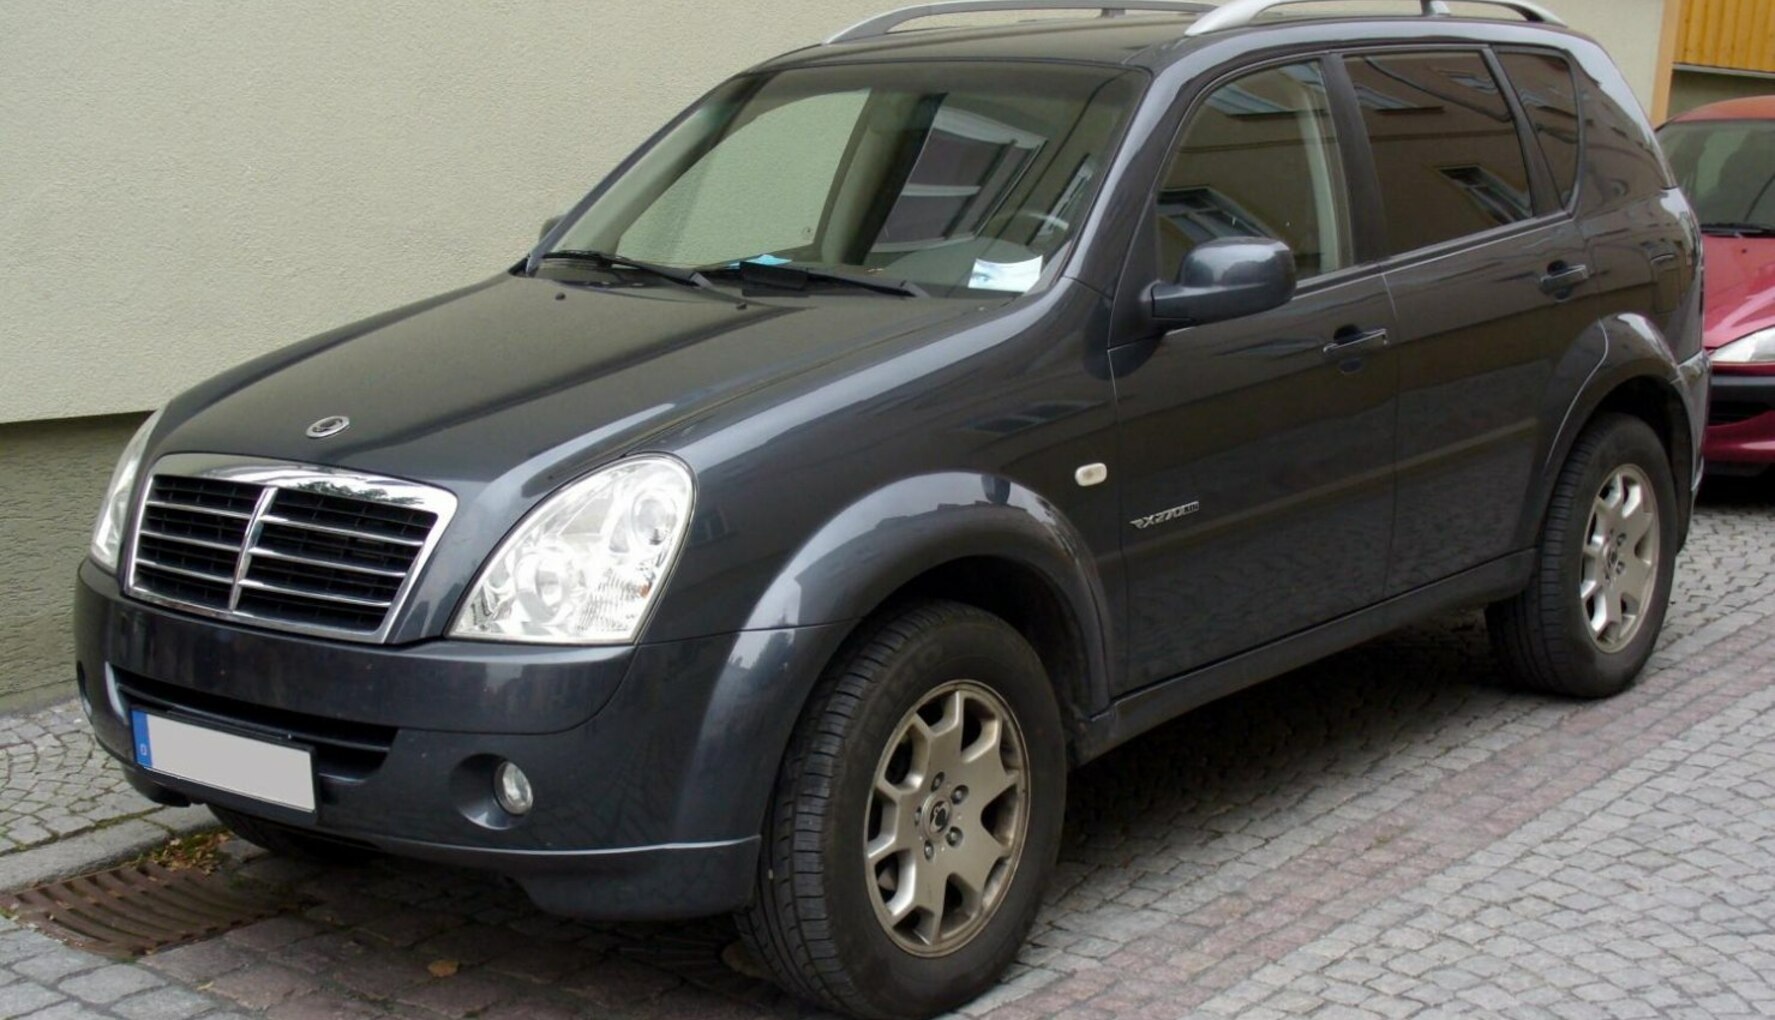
{"points": [[443, 968]]}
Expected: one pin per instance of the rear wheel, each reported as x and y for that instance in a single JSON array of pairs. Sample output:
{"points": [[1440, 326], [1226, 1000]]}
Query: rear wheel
{"points": [[916, 818], [1588, 621]]}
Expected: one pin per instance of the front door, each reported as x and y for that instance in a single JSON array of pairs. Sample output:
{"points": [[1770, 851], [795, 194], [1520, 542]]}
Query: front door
{"points": [[1256, 455]]}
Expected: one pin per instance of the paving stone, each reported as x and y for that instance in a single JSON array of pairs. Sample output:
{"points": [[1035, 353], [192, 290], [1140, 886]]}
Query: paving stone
{"points": [[108, 984], [51, 965], [263, 984], [23, 996], [67, 1010], [162, 1004]]}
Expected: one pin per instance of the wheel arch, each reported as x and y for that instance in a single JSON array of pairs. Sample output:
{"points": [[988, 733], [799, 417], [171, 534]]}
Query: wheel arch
{"points": [[1032, 604], [971, 538], [1637, 377], [975, 538]]}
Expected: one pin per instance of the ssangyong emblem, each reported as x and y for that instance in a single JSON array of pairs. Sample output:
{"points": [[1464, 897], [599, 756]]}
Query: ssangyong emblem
{"points": [[331, 425]]}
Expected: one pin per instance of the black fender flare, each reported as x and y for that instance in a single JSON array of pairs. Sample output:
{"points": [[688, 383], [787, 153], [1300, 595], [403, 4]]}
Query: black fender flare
{"points": [[1634, 350], [881, 542], [848, 568]]}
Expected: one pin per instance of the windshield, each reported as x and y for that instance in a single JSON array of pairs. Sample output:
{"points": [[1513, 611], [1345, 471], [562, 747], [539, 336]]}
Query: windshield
{"points": [[960, 179], [1727, 168]]}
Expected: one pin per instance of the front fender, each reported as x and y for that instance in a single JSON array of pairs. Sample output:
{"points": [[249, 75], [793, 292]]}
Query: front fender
{"points": [[880, 543]]}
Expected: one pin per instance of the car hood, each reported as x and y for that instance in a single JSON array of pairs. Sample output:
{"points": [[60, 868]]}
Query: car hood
{"points": [[532, 376], [1740, 288]]}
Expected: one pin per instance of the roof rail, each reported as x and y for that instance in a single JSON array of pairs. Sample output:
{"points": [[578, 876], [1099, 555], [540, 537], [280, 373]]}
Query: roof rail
{"points": [[885, 23], [1239, 13]]}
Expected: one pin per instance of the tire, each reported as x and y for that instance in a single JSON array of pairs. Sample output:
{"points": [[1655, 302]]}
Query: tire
{"points": [[285, 841], [1548, 636], [822, 917]]}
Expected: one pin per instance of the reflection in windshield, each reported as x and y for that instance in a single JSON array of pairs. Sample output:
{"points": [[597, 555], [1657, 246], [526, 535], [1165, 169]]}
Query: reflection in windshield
{"points": [[1727, 168], [956, 178]]}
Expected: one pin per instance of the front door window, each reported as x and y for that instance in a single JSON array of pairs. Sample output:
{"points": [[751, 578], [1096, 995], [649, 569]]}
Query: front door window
{"points": [[1260, 159]]}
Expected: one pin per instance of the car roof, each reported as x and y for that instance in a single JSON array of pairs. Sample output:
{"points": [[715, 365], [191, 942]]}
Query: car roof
{"points": [[1748, 108], [1151, 41]]}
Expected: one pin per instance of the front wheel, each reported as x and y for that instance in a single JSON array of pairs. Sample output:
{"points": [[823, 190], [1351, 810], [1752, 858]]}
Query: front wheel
{"points": [[1590, 617], [916, 818]]}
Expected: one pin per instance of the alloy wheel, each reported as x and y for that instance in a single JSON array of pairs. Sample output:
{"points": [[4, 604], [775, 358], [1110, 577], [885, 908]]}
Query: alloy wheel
{"points": [[1620, 565], [947, 818]]}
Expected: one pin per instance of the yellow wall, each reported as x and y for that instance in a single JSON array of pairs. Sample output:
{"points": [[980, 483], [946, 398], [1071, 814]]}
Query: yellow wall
{"points": [[1736, 34], [186, 184]]}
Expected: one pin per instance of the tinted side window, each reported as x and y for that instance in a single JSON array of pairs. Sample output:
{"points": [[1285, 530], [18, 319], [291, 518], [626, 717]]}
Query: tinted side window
{"points": [[1550, 97], [1445, 147], [1621, 158], [1259, 159]]}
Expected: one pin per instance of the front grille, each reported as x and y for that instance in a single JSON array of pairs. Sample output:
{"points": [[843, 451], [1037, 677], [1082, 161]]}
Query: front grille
{"points": [[297, 549], [343, 750]]}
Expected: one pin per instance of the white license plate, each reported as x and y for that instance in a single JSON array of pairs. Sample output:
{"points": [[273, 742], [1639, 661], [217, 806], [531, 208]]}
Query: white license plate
{"points": [[275, 773]]}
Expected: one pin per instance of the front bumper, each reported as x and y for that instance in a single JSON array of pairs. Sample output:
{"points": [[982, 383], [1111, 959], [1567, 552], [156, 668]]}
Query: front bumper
{"points": [[1741, 425], [652, 765]]}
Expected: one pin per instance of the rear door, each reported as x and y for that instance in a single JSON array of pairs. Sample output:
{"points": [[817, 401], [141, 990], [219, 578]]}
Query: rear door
{"points": [[1256, 454], [1490, 277]]}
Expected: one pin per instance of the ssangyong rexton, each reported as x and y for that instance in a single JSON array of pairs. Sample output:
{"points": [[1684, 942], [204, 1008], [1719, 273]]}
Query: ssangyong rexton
{"points": [[915, 417]]}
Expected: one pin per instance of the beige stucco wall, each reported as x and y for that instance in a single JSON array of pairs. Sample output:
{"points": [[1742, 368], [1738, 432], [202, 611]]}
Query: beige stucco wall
{"points": [[1629, 29], [185, 185], [52, 476]]}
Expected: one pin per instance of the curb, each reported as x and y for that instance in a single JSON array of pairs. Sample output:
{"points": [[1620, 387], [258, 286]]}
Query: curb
{"points": [[101, 847]]}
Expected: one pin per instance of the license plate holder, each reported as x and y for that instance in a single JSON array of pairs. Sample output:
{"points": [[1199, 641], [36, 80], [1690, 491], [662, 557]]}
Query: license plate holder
{"points": [[274, 773]]}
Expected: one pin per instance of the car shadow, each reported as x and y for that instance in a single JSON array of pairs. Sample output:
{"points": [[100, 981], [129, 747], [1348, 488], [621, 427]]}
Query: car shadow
{"points": [[1159, 800]]}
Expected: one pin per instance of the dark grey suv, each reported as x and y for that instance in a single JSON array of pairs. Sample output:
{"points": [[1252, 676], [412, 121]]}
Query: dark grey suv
{"points": [[915, 417]]}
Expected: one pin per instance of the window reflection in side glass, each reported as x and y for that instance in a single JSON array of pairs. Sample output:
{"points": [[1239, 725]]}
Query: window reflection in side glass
{"points": [[1549, 97], [1445, 147], [1259, 159]]}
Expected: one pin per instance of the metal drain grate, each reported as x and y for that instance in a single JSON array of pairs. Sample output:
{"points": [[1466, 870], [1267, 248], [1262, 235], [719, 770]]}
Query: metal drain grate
{"points": [[139, 908]]}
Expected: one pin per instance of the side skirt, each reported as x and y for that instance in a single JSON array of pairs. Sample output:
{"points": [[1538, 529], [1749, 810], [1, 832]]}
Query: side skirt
{"points": [[1134, 714]]}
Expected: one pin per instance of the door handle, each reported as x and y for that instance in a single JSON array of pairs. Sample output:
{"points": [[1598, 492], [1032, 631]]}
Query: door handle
{"points": [[1562, 279], [1352, 338]]}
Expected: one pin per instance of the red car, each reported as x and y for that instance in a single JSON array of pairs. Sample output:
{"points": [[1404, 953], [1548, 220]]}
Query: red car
{"points": [[1724, 155]]}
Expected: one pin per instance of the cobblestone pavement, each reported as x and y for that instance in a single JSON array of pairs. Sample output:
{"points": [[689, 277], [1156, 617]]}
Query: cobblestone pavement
{"points": [[1388, 833], [54, 782], [63, 808]]}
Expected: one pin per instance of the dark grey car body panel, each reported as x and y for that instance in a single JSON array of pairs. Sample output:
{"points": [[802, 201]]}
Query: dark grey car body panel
{"points": [[845, 445]]}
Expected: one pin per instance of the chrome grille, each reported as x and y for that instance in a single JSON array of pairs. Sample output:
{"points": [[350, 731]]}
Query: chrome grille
{"points": [[313, 550]]}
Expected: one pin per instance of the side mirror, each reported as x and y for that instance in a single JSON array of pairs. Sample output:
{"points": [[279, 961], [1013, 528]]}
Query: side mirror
{"points": [[548, 225], [1227, 278]]}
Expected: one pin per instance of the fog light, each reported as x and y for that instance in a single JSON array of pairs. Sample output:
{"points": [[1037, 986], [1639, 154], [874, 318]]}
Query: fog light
{"points": [[511, 787]]}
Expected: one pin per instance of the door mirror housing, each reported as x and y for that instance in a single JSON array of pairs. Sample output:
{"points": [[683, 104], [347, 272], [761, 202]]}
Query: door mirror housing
{"points": [[548, 225], [1227, 278]]}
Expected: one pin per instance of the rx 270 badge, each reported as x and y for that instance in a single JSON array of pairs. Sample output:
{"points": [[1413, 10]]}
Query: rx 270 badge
{"points": [[1166, 516]]}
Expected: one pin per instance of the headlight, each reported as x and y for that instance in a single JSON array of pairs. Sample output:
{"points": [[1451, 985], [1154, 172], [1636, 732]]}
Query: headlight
{"points": [[1756, 349], [584, 566], [107, 533]]}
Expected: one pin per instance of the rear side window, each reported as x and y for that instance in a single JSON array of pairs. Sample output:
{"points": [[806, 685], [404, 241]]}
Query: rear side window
{"points": [[1622, 161], [1445, 146], [1259, 158], [1549, 97]]}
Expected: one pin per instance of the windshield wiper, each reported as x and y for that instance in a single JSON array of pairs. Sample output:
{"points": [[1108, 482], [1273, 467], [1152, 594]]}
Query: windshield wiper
{"points": [[1740, 229], [687, 277], [798, 277]]}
